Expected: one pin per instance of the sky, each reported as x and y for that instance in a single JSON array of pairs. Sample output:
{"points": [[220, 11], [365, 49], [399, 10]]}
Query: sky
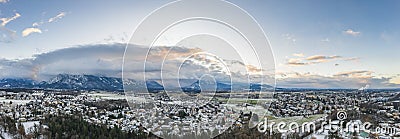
{"points": [[316, 44]]}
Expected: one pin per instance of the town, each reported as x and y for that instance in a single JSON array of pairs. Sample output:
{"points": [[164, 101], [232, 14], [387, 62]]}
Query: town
{"points": [[162, 116], [112, 111], [378, 107]]}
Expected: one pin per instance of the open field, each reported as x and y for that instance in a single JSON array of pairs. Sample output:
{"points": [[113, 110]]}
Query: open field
{"points": [[109, 96], [14, 102]]}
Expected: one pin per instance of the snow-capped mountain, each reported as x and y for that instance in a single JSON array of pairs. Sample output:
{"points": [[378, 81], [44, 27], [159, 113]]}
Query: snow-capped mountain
{"points": [[83, 82], [154, 86], [69, 82], [17, 83], [92, 82]]}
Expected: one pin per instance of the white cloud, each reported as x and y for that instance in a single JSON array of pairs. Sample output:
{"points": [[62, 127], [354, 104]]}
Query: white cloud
{"points": [[106, 59], [3, 1], [59, 16], [355, 74], [349, 79], [52, 19], [7, 35], [36, 24], [296, 62], [321, 57], [351, 59], [301, 60], [326, 40], [29, 31], [298, 54], [5, 21], [351, 32]]}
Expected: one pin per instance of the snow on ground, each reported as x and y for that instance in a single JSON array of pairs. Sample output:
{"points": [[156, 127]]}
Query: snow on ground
{"points": [[109, 96], [5, 135], [14, 102], [29, 126]]}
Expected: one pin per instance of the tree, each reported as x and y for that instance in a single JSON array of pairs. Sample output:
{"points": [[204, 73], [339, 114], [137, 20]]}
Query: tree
{"points": [[182, 114], [333, 135], [36, 130], [21, 129]]}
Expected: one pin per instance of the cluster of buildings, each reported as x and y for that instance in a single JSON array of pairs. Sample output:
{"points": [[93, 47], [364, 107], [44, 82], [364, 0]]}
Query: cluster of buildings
{"points": [[380, 108], [290, 104], [184, 117], [188, 117], [162, 116]]}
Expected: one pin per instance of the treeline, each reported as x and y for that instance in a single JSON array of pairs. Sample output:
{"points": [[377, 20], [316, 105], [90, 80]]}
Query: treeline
{"points": [[108, 105], [7, 124], [74, 127]]}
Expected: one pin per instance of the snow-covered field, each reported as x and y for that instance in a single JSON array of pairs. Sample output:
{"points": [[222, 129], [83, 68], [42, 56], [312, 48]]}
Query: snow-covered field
{"points": [[14, 102], [109, 96], [29, 126], [5, 135]]}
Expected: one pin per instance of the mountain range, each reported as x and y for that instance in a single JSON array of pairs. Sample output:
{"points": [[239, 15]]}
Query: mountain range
{"points": [[67, 82], [92, 82]]}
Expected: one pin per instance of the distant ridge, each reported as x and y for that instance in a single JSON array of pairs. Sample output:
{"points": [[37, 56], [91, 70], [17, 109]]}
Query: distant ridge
{"points": [[83, 82], [67, 82], [17, 83], [102, 83]]}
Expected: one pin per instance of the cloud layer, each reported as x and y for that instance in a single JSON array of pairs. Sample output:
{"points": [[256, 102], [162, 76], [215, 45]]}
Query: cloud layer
{"points": [[106, 59], [301, 60], [350, 79], [173, 63]]}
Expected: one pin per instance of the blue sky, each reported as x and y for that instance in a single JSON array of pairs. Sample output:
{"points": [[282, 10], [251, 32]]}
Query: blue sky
{"points": [[345, 40], [83, 23], [319, 28]]}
